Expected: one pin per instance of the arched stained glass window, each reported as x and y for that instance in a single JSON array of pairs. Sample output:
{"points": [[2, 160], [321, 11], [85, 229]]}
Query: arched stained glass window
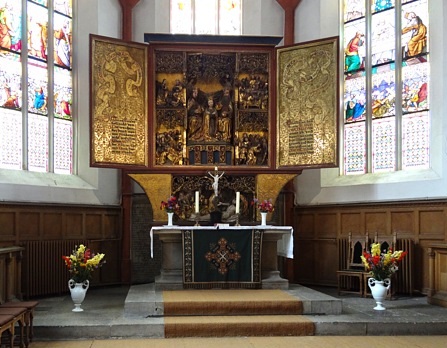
{"points": [[36, 131], [386, 80], [209, 17]]}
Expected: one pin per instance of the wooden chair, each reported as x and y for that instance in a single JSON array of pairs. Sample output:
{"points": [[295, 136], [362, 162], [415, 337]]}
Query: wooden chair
{"points": [[350, 277], [386, 242]]}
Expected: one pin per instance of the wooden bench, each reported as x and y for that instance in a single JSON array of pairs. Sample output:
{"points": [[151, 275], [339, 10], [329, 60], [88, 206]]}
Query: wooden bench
{"points": [[7, 323], [29, 307]]}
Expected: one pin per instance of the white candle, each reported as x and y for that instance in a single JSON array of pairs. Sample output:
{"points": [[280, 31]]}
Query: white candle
{"points": [[238, 198], [197, 202]]}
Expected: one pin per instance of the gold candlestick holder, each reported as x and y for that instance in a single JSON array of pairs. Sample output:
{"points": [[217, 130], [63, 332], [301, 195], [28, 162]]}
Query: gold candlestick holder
{"points": [[237, 220], [197, 220]]}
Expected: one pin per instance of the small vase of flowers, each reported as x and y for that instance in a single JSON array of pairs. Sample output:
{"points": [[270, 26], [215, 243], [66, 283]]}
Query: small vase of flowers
{"points": [[264, 207], [171, 206]]}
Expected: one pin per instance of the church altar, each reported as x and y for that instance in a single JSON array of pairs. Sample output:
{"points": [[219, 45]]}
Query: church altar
{"points": [[276, 241]]}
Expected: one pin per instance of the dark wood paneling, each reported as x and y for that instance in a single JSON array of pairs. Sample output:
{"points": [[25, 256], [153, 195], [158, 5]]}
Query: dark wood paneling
{"points": [[315, 260]]}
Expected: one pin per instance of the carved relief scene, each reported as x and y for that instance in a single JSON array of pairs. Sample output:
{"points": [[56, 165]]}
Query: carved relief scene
{"points": [[211, 108]]}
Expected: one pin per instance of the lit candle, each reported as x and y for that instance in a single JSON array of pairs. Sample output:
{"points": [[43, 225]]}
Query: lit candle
{"points": [[238, 198], [197, 202]]}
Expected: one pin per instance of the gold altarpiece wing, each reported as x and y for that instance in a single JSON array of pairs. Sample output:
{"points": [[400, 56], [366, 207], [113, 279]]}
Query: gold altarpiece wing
{"points": [[277, 105], [118, 103]]}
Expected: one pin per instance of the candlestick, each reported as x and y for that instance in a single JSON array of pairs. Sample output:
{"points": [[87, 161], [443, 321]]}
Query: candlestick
{"points": [[238, 198], [197, 202]]}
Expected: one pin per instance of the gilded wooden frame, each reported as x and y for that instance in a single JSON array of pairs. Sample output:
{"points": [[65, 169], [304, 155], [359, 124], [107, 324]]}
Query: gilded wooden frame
{"points": [[307, 105], [118, 103]]}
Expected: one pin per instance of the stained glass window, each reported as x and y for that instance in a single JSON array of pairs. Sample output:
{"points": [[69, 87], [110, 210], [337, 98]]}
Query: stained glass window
{"points": [[386, 65], [210, 17], [36, 133]]}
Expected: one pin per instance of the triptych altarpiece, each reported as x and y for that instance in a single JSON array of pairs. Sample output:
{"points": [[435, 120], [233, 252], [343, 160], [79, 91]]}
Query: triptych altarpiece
{"points": [[183, 102]]}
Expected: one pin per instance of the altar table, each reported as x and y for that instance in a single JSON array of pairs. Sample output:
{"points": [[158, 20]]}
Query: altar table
{"points": [[277, 240]]}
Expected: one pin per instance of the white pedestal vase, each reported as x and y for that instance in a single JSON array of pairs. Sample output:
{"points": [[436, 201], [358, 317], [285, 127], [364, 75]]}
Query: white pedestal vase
{"points": [[78, 291], [170, 216], [263, 218], [379, 289]]}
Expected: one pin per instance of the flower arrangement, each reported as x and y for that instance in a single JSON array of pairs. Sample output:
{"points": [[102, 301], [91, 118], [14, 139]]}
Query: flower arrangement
{"points": [[82, 262], [171, 205], [266, 206], [382, 265]]}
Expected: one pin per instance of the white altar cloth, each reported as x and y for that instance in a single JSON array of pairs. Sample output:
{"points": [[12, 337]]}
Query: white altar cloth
{"points": [[285, 244]]}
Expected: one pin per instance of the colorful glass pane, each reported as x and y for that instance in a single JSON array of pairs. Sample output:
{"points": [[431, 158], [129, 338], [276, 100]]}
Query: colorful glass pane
{"points": [[415, 87], [181, 17], [63, 151], [383, 44], [354, 44], [37, 143], [355, 148], [63, 93], [381, 5], [40, 2], [11, 139], [383, 91], [416, 141], [11, 25], [353, 9], [414, 29], [37, 31], [230, 17], [37, 87], [205, 17], [383, 145], [10, 81], [355, 99], [63, 6], [62, 41]]}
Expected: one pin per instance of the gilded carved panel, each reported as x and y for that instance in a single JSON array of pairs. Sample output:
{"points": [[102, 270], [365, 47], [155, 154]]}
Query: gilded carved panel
{"points": [[307, 104], [118, 103]]}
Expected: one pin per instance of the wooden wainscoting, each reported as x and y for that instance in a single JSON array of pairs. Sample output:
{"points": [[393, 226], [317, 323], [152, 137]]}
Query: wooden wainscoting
{"points": [[47, 232], [319, 229]]}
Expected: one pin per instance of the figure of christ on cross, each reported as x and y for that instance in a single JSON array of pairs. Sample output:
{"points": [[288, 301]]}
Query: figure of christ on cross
{"points": [[216, 176]]}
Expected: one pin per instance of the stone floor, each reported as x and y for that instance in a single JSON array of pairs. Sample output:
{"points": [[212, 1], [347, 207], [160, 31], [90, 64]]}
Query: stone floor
{"points": [[136, 312]]}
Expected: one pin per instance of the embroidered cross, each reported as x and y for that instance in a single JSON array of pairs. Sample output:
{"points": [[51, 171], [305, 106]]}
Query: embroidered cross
{"points": [[222, 256]]}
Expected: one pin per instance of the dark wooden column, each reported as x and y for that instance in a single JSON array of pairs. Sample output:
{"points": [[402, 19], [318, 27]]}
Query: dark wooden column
{"points": [[127, 7], [289, 7]]}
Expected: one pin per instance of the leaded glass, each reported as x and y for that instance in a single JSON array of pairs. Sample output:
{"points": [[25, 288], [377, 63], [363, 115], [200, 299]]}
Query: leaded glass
{"points": [[355, 99], [415, 141], [63, 93], [415, 87], [63, 6], [354, 149], [63, 152], [11, 139], [414, 29], [381, 5], [40, 2], [383, 145], [181, 17], [354, 46], [230, 17], [10, 81], [62, 41], [37, 87], [11, 25], [383, 38], [37, 143], [37, 31], [205, 17], [383, 91], [353, 9]]}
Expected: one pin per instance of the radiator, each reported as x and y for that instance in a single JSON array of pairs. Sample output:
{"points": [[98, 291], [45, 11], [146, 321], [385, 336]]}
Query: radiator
{"points": [[44, 271], [404, 276]]}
